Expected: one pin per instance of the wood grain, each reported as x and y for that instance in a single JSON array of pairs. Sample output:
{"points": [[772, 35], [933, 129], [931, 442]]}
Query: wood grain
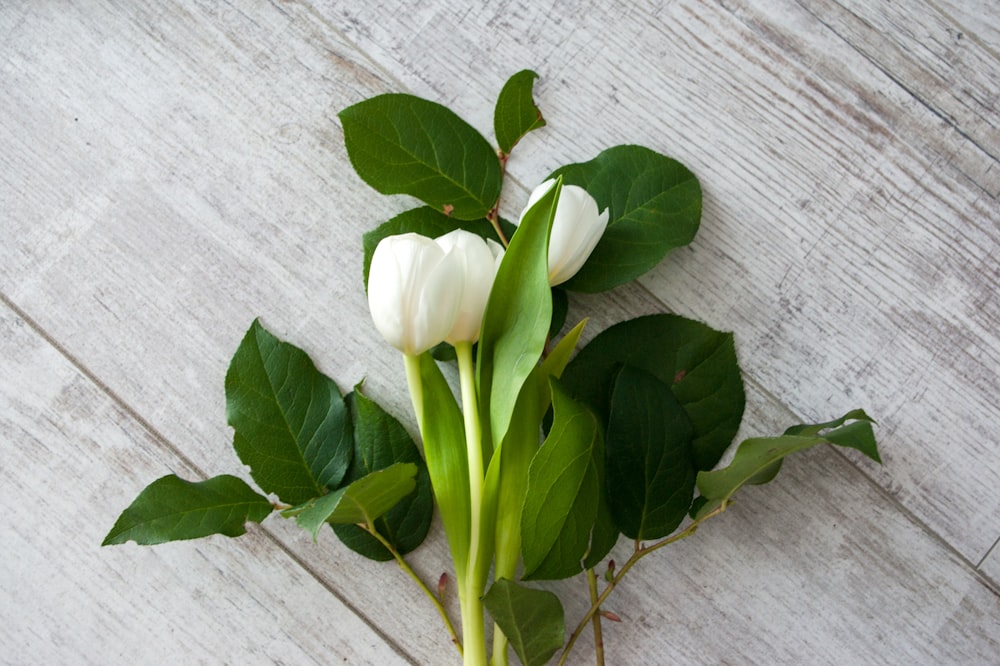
{"points": [[72, 460], [845, 215], [169, 173]]}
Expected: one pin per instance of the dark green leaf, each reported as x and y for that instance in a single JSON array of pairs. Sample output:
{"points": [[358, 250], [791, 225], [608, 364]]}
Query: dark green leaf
{"points": [[171, 509], [654, 205], [563, 488], [362, 501], [380, 441], [517, 318], [401, 144], [516, 113], [292, 426], [532, 620], [697, 362], [427, 222], [648, 449], [560, 308], [757, 459]]}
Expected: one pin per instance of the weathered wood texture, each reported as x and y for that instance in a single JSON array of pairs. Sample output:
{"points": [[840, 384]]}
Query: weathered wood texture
{"points": [[168, 173], [849, 158]]}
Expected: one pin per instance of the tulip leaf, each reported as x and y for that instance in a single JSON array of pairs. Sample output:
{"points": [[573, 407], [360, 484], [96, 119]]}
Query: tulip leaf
{"points": [[516, 113], [650, 472], [291, 424], [696, 362], [513, 458], [517, 318], [172, 509], [361, 501], [654, 205], [561, 502], [532, 620], [758, 459], [443, 433], [380, 441], [401, 144], [427, 222]]}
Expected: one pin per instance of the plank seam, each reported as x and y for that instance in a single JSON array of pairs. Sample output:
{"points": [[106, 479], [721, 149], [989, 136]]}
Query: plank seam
{"points": [[160, 439]]}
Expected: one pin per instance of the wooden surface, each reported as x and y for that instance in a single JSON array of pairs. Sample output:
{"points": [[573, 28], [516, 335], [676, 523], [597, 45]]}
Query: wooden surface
{"points": [[169, 171]]}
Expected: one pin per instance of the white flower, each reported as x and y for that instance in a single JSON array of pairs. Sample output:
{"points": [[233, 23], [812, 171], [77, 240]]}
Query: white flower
{"points": [[414, 291], [480, 260], [576, 229]]}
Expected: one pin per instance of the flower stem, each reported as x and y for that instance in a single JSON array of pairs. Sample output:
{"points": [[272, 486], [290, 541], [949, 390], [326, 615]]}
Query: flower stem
{"points": [[370, 528], [473, 629], [596, 619], [637, 555]]}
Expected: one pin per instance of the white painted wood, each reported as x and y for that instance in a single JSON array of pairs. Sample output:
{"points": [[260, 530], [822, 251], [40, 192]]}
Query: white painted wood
{"points": [[167, 174], [851, 227], [72, 460]]}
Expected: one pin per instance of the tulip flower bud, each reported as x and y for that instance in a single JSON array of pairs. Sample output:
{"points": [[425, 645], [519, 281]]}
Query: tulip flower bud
{"points": [[480, 261], [576, 229], [414, 291]]}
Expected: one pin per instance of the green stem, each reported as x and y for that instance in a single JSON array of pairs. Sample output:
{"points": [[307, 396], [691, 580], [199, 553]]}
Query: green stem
{"points": [[370, 528], [473, 629], [596, 619], [416, 387], [637, 555]]}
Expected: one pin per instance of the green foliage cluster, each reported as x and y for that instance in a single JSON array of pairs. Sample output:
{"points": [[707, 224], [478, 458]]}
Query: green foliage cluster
{"points": [[624, 439]]}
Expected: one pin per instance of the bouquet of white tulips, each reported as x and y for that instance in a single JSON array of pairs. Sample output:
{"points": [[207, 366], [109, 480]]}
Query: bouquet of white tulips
{"points": [[547, 455]]}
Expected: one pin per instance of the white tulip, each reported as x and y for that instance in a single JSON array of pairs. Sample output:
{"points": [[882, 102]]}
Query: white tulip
{"points": [[576, 229], [414, 291], [480, 260]]}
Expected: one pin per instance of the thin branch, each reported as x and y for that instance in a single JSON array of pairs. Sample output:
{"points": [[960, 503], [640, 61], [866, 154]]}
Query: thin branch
{"points": [[596, 620], [423, 586]]}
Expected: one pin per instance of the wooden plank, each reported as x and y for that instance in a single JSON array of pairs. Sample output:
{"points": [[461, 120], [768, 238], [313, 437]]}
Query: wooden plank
{"points": [[73, 459], [991, 565], [148, 269], [844, 216]]}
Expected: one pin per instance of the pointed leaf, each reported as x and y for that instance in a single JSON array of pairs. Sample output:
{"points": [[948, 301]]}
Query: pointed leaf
{"points": [[401, 144], [362, 501], [429, 222], [757, 459], [654, 205], [648, 448], [516, 113], [561, 501], [292, 426], [532, 620], [171, 509], [380, 441], [517, 318], [443, 431], [698, 363]]}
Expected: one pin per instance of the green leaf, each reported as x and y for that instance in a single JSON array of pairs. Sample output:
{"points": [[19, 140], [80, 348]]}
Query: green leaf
{"points": [[560, 308], [531, 619], [698, 363], [563, 487], [654, 205], [362, 501], [443, 431], [857, 435], [379, 442], [757, 459], [516, 113], [172, 509], [508, 470], [292, 426], [650, 472], [401, 144], [427, 222], [517, 318]]}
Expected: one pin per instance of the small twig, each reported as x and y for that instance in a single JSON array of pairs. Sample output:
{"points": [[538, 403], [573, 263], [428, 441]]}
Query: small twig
{"points": [[596, 620], [640, 552], [368, 527]]}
